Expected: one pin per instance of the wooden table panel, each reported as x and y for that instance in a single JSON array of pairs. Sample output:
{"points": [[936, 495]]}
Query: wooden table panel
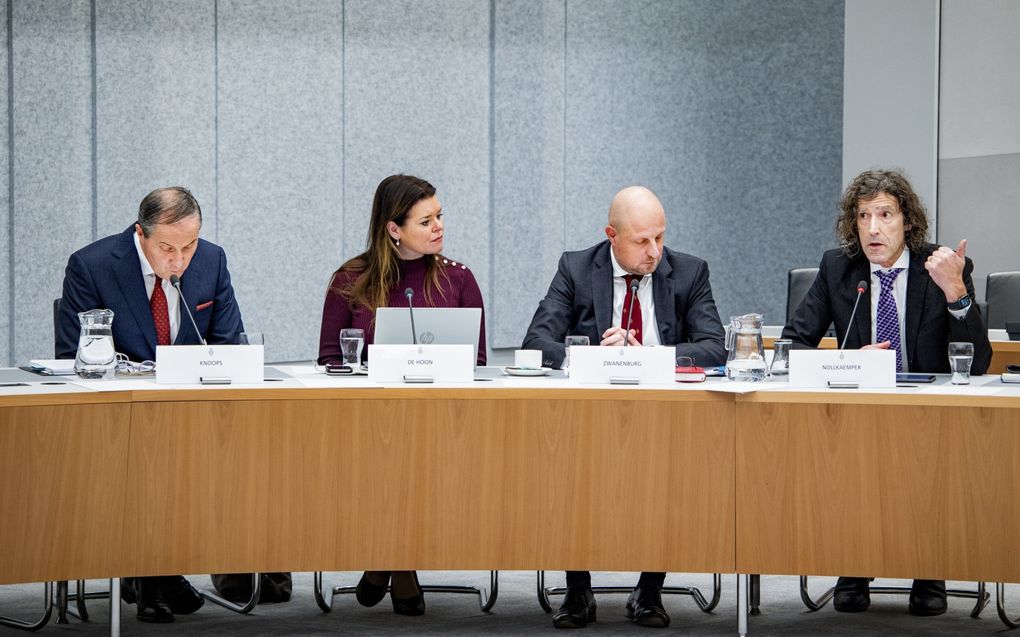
{"points": [[62, 471], [926, 491], [452, 482]]}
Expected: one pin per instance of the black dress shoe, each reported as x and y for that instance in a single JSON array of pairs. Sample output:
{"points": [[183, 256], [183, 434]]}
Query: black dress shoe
{"points": [[152, 608], [578, 609], [853, 595], [180, 595], [927, 597], [369, 594], [412, 606], [644, 608]]}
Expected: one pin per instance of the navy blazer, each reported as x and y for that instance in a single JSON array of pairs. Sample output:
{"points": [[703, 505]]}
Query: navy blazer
{"points": [[580, 302], [108, 274], [928, 325]]}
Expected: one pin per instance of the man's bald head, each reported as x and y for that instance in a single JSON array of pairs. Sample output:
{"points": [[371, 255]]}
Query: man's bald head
{"points": [[637, 224]]}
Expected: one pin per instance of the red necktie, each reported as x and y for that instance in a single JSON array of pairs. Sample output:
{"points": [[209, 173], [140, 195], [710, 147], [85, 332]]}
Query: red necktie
{"points": [[160, 313], [635, 320]]}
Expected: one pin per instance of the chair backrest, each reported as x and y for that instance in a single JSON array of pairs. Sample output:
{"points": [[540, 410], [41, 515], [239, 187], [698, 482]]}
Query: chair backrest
{"points": [[56, 322], [1002, 293], [799, 281]]}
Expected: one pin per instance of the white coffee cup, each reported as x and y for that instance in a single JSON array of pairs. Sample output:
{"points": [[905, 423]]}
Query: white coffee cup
{"points": [[528, 358]]}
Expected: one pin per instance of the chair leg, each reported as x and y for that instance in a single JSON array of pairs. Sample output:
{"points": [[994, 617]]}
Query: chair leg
{"points": [[242, 609], [39, 623], [61, 594], [486, 596], [814, 604], [1000, 606], [754, 584], [543, 592]]}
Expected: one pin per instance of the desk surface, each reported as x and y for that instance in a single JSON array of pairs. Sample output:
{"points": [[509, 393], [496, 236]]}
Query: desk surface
{"points": [[325, 473]]}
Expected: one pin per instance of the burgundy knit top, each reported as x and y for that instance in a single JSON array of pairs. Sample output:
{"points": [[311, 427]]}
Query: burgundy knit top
{"points": [[459, 289]]}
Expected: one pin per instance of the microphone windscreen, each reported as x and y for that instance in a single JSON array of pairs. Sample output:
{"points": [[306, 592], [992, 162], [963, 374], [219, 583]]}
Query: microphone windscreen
{"points": [[175, 280], [408, 292], [862, 285]]}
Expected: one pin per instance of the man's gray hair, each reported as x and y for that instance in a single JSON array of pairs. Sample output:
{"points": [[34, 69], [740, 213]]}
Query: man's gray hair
{"points": [[167, 205]]}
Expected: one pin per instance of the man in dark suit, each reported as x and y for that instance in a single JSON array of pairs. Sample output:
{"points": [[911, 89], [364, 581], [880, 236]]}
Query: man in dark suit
{"points": [[590, 296], [920, 300], [129, 273]]}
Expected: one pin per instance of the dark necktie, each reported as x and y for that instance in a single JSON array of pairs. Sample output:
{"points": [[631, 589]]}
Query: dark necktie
{"points": [[635, 319], [887, 319], [160, 313]]}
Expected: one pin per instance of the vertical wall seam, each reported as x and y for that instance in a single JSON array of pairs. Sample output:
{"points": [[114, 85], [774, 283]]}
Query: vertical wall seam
{"points": [[492, 159], [563, 238], [95, 121], [343, 127], [10, 181], [216, 118], [938, 95]]}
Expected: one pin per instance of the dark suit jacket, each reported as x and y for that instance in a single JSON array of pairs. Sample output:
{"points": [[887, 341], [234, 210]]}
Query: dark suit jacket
{"points": [[107, 274], [580, 301], [928, 325]]}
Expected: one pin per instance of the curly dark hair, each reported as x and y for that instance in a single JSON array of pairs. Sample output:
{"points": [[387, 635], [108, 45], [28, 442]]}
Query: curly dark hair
{"points": [[869, 185]]}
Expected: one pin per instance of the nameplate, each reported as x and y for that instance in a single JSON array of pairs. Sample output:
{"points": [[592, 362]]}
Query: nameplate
{"points": [[211, 364], [593, 364], [812, 368], [421, 363]]}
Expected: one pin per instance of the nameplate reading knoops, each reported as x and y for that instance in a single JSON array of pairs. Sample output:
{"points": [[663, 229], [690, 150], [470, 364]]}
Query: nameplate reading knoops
{"points": [[209, 364], [416, 363], [635, 365], [821, 368]]}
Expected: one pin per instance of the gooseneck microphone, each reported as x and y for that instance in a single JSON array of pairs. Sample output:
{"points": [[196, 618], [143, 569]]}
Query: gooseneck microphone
{"points": [[176, 282], [409, 293], [862, 285], [630, 311]]}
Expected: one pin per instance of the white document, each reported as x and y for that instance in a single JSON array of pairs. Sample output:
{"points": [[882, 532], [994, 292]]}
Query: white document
{"points": [[53, 367], [421, 363], [209, 364], [629, 365], [812, 368]]}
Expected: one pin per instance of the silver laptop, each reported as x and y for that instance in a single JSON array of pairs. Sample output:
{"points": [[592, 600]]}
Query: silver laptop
{"points": [[434, 326]]}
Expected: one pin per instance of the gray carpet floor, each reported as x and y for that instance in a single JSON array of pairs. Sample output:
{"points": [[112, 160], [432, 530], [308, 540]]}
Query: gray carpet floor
{"points": [[517, 612]]}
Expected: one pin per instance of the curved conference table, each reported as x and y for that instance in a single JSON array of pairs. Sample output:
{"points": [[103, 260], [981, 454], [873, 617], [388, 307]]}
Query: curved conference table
{"points": [[102, 479]]}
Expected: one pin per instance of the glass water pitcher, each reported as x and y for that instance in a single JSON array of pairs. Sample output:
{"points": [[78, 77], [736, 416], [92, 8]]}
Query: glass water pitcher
{"points": [[745, 354], [96, 357]]}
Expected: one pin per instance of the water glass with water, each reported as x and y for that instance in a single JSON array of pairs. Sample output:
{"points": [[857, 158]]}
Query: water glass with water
{"points": [[352, 340], [570, 341], [961, 355], [781, 358]]}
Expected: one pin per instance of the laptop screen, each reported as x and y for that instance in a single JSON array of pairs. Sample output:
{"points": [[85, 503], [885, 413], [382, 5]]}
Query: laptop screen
{"points": [[433, 325]]}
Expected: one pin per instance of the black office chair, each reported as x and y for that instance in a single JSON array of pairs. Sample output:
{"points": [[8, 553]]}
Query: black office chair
{"points": [[706, 605], [1002, 294], [798, 282], [486, 596]]}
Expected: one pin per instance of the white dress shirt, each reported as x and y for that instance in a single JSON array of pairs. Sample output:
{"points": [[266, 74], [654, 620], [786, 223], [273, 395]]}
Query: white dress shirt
{"points": [[149, 276], [644, 297]]}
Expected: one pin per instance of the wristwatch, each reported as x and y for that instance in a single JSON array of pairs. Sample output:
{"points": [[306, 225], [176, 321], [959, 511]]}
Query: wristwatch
{"points": [[961, 303]]}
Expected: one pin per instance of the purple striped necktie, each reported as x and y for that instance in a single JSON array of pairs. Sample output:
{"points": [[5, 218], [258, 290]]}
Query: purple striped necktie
{"points": [[887, 320]]}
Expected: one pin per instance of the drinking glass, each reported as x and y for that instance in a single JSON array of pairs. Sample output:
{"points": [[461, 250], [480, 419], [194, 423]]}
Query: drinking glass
{"points": [[573, 340], [351, 342], [961, 355], [252, 338], [781, 357]]}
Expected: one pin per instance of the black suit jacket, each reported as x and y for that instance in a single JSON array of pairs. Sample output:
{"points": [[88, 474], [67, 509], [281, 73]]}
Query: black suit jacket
{"points": [[928, 325], [107, 274], [580, 302]]}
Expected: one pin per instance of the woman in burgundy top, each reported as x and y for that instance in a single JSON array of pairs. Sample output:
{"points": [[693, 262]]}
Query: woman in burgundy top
{"points": [[405, 239]]}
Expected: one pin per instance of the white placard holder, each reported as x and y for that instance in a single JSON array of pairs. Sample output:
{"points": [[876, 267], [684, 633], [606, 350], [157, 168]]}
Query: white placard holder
{"points": [[209, 364], [846, 369], [421, 363], [631, 365]]}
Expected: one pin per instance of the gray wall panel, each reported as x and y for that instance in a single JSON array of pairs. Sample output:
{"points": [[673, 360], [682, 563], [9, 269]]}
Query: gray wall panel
{"points": [[417, 101], [979, 85], [52, 160], [527, 162], [6, 279], [730, 112], [280, 132], [980, 202], [155, 106]]}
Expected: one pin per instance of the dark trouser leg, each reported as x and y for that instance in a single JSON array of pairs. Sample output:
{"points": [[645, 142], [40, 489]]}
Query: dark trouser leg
{"points": [[651, 580], [578, 578]]}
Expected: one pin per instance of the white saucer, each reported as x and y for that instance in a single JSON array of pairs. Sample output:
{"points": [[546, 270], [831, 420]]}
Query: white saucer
{"points": [[526, 371]]}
